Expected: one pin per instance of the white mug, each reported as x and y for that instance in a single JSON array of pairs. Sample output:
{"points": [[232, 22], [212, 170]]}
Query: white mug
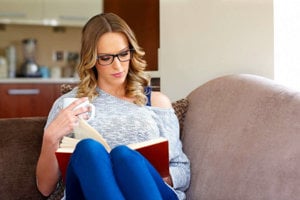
{"points": [[67, 101]]}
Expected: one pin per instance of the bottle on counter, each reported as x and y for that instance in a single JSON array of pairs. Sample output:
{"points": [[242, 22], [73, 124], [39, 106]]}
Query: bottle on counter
{"points": [[55, 72], [72, 61], [3, 67], [11, 61], [29, 67], [44, 71]]}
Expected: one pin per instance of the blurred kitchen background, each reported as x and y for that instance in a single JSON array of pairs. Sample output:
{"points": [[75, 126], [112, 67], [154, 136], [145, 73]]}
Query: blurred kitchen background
{"points": [[40, 44], [42, 33], [41, 38], [51, 48]]}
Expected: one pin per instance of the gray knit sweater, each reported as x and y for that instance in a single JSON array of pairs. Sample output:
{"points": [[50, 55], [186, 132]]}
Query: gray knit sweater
{"points": [[122, 122]]}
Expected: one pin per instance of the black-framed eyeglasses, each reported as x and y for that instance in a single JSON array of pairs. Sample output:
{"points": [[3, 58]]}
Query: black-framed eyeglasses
{"points": [[107, 59]]}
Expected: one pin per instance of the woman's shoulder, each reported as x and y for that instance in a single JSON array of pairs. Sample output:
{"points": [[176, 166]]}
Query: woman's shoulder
{"points": [[71, 93], [160, 100]]}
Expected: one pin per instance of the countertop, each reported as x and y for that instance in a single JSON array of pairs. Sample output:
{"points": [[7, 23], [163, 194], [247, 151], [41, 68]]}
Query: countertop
{"points": [[38, 80], [153, 74]]}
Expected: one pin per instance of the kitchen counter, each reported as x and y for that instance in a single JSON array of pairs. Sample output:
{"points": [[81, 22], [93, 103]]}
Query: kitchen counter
{"points": [[153, 74], [39, 80]]}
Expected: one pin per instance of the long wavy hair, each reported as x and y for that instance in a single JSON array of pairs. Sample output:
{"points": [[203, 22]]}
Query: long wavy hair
{"points": [[136, 80]]}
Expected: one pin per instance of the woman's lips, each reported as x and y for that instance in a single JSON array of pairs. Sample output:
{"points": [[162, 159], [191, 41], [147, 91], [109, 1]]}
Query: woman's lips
{"points": [[117, 75]]}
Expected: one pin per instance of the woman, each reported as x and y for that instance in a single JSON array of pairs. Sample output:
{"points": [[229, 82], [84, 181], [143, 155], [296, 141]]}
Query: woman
{"points": [[112, 77]]}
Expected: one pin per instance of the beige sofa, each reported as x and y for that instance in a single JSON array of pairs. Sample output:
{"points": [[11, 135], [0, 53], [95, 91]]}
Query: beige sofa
{"points": [[241, 133]]}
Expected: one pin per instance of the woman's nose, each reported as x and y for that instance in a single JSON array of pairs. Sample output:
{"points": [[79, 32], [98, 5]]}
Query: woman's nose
{"points": [[116, 63]]}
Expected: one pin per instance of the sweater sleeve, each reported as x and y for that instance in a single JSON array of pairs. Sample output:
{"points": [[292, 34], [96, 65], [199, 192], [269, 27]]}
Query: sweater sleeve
{"points": [[179, 163]]}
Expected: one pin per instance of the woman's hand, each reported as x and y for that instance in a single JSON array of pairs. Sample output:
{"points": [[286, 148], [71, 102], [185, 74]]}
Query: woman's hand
{"points": [[47, 171], [66, 120]]}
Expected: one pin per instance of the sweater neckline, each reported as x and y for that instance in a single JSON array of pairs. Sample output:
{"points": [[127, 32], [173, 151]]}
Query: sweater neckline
{"points": [[103, 93]]}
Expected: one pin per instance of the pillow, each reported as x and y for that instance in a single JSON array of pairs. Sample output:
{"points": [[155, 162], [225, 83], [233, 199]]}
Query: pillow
{"points": [[65, 88], [180, 107], [58, 194]]}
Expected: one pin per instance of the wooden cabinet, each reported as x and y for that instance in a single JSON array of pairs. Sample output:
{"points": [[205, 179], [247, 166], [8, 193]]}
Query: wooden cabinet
{"points": [[15, 11], [27, 99], [49, 12]]}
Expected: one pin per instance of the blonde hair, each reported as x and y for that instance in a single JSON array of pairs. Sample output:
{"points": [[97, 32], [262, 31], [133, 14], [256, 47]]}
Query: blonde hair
{"points": [[136, 80]]}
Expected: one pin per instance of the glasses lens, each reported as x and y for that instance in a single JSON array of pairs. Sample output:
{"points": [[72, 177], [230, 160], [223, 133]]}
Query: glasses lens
{"points": [[124, 56], [105, 59], [109, 58]]}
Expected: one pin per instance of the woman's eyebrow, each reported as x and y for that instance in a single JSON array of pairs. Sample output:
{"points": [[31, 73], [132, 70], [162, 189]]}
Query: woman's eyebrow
{"points": [[124, 49]]}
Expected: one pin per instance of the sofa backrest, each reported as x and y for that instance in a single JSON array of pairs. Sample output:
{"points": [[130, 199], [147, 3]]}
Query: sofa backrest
{"points": [[20, 144], [242, 134]]}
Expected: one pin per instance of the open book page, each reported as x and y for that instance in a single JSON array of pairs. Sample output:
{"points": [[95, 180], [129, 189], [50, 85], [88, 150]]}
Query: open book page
{"points": [[68, 143], [84, 130]]}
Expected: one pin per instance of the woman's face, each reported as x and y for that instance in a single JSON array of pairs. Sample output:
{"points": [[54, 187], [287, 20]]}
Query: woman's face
{"points": [[111, 71]]}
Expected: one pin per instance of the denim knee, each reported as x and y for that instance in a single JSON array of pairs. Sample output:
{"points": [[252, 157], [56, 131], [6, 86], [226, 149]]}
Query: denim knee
{"points": [[123, 154], [88, 147]]}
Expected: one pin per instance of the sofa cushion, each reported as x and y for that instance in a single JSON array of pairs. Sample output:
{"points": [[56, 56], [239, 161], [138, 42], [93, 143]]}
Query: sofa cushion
{"points": [[65, 88], [19, 150], [180, 107]]}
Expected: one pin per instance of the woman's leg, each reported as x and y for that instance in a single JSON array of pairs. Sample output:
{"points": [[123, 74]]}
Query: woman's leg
{"points": [[90, 175], [137, 178]]}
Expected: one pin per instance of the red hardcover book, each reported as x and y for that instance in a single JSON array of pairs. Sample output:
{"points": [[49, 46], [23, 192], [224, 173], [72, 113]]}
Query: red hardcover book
{"points": [[156, 151]]}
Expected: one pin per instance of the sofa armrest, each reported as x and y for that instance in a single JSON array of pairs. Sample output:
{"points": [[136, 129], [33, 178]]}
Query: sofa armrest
{"points": [[241, 133]]}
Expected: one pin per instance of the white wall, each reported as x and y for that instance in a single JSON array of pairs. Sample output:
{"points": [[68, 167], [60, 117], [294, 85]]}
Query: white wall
{"points": [[203, 39], [287, 42]]}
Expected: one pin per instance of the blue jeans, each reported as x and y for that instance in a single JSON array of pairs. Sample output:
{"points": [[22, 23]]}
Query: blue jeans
{"points": [[93, 174]]}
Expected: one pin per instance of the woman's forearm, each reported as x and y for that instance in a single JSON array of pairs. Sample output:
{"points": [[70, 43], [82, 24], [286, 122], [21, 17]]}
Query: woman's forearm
{"points": [[47, 171]]}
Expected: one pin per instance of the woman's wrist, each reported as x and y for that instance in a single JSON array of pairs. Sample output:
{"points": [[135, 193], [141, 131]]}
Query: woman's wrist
{"points": [[50, 141]]}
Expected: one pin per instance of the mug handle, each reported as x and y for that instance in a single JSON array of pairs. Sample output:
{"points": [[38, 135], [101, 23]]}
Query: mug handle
{"points": [[92, 112]]}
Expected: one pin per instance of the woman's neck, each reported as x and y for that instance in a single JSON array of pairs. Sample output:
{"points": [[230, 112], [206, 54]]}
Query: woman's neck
{"points": [[115, 91]]}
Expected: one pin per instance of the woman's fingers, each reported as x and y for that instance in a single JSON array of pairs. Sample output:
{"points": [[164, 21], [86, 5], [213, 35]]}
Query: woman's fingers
{"points": [[76, 109], [76, 103]]}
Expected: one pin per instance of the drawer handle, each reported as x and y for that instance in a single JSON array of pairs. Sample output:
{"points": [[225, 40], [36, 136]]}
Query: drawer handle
{"points": [[12, 15], [23, 91]]}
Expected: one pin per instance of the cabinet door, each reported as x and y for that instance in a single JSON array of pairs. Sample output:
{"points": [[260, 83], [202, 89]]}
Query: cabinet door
{"points": [[49, 12], [71, 12], [16, 11], [27, 100]]}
